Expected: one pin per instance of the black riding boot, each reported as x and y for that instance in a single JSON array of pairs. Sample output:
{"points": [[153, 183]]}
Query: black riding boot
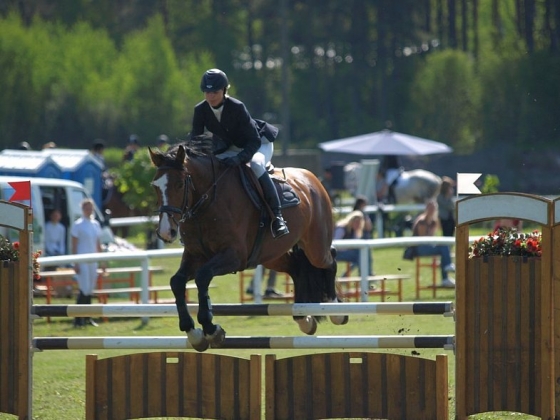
{"points": [[278, 226], [88, 320], [80, 322]]}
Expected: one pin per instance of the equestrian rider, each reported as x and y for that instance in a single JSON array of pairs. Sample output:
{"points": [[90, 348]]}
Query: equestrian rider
{"points": [[390, 169], [242, 139]]}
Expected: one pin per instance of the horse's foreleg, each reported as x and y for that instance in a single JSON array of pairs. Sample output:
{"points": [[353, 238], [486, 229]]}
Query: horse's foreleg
{"points": [[186, 323], [213, 333]]}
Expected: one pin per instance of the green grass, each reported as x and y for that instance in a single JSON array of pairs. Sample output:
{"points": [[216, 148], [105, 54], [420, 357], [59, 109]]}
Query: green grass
{"points": [[59, 376]]}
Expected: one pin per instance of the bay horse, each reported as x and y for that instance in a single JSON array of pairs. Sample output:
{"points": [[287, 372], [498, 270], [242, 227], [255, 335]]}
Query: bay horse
{"points": [[223, 230]]}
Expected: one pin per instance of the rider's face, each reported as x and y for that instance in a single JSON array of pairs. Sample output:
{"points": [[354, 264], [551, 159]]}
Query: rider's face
{"points": [[214, 98]]}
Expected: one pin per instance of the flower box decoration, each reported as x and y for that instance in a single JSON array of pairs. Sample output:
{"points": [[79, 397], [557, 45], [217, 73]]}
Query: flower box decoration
{"points": [[9, 251], [507, 242]]}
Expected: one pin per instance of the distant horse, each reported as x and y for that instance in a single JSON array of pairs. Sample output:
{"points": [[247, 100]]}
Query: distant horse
{"points": [[416, 186], [224, 229]]}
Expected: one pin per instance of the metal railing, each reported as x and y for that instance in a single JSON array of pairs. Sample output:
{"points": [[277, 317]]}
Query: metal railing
{"points": [[144, 257]]}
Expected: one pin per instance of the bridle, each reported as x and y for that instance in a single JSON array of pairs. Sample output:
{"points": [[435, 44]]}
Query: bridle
{"points": [[187, 212]]}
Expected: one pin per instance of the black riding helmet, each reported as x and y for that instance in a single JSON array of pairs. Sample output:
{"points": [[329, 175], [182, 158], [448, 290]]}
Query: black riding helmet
{"points": [[213, 80]]}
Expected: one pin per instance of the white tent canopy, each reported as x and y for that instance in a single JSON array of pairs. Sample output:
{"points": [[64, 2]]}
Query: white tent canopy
{"points": [[385, 142]]}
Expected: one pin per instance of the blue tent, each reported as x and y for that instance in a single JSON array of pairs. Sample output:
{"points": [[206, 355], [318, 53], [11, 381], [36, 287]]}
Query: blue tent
{"points": [[77, 165], [28, 164], [80, 166]]}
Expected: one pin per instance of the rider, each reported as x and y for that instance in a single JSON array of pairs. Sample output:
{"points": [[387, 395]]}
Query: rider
{"points": [[390, 169], [245, 139]]}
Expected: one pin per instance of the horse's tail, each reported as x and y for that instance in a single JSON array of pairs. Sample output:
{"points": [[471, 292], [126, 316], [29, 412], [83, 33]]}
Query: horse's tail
{"points": [[312, 284]]}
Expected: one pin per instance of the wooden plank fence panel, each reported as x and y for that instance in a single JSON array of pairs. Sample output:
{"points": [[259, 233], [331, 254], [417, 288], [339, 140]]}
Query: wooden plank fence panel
{"points": [[403, 386]]}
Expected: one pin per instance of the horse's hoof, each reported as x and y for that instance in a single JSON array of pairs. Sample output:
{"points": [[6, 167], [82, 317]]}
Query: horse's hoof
{"points": [[197, 340], [307, 325], [339, 319], [217, 339]]}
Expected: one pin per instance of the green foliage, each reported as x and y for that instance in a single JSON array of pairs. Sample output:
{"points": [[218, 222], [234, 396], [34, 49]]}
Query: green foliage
{"points": [[151, 97], [72, 71], [444, 100], [490, 185], [133, 179]]}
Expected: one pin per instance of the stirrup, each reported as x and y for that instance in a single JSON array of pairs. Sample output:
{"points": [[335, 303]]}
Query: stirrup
{"points": [[279, 228]]}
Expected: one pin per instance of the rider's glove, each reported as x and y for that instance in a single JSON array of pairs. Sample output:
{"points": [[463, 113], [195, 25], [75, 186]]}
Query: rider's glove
{"points": [[232, 161]]}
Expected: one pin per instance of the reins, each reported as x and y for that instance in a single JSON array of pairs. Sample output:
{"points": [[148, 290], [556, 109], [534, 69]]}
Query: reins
{"points": [[186, 212]]}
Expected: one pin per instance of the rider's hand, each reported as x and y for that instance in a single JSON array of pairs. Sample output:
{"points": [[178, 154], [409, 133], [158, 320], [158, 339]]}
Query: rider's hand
{"points": [[232, 161]]}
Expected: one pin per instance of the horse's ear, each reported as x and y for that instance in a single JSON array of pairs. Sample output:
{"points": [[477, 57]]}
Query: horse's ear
{"points": [[157, 158], [181, 153]]}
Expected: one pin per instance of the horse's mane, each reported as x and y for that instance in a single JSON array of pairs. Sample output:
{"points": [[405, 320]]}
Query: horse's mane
{"points": [[197, 146]]}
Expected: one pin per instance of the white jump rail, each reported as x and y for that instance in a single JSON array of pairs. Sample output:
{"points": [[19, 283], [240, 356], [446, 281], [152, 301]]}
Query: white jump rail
{"points": [[143, 257]]}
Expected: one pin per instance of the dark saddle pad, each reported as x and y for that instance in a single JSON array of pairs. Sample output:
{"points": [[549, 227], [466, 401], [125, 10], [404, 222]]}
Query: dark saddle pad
{"points": [[288, 197]]}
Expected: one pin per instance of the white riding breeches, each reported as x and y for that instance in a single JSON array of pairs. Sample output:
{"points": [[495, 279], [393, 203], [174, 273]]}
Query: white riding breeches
{"points": [[259, 159], [87, 278], [262, 157]]}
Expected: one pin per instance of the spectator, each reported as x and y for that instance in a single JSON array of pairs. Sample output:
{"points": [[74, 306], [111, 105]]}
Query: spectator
{"points": [[131, 148], [446, 206], [352, 227], [55, 235], [86, 233], [162, 142], [427, 224], [270, 291], [98, 151], [360, 204]]}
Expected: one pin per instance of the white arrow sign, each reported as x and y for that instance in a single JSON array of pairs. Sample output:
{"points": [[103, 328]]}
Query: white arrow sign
{"points": [[465, 184]]}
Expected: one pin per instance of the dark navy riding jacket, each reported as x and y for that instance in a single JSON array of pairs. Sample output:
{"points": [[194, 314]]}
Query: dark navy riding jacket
{"points": [[236, 126]]}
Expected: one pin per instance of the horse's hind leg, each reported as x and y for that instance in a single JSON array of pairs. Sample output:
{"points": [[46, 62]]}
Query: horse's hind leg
{"points": [[330, 278]]}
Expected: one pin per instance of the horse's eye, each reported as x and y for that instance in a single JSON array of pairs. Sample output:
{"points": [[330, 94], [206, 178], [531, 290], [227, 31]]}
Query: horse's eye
{"points": [[180, 184]]}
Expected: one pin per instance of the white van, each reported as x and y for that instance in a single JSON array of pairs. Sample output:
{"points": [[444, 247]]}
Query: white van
{"points": [[48, 194]]}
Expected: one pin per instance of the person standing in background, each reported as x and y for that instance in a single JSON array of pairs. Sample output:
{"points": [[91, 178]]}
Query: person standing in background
{"points": [[86, 233], [446, 206], [162, 142], [132, 148], [98, 151]]}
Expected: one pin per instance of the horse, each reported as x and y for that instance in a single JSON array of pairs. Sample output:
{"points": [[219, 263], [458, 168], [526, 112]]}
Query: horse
{"points": [[416, 186], [224, 230]]}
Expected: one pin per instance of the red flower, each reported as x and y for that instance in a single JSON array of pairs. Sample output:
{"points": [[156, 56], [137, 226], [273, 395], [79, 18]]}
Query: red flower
{"points": [[508, 242]]}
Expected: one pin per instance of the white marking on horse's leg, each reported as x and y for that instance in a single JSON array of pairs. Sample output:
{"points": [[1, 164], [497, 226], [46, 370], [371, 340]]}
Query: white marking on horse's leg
{"points": [[338, 319], [307, 325], [197, 340], [164, 228]]}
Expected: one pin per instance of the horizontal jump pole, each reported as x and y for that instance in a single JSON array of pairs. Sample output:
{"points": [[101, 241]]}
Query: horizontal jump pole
{"points": [[306, 342], [273, 309]]}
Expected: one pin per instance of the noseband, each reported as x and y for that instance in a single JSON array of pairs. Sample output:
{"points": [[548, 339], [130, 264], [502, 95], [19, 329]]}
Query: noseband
{"points": [[185, 211]]}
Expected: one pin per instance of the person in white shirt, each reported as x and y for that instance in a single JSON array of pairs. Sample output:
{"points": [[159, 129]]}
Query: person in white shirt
{"points": [[86, 233], [55, 235]]}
